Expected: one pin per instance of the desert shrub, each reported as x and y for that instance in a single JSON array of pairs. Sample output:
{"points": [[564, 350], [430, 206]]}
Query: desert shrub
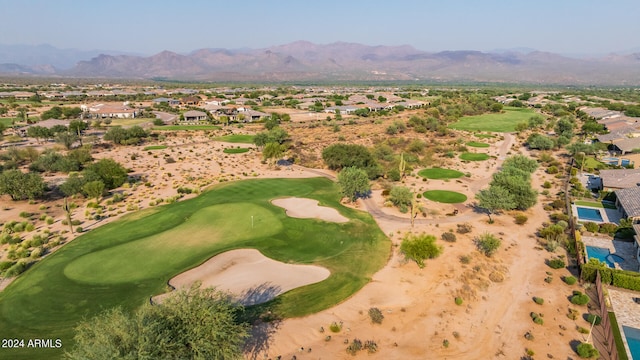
{"points": [[376, 315], [556, 263], [16, 269], [552, 170], [335, 327], [546, 185], [445, 343], [579, 298], [371, 346], [420, 247], [608, 228], [458, 300], [464, 228], [538, 300], [569, 280], [488, 243], [79, 229], [573, 314], [537, 318], [594, 319], [582, 330], [24, 214], [4, 265], [586, 350], [184, 190], [558, 216], [521, 219], [354, 347], [449, 236], [591, 227], [465, 259]]}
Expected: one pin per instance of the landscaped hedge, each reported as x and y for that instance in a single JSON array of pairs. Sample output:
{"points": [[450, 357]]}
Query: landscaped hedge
{"points": [[620, 278]]}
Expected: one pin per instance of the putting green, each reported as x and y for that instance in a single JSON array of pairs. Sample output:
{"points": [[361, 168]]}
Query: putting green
{"points": [[440, 173], [208, 229], [445, 196], [235, 150], [474, 156], [125, 262]]}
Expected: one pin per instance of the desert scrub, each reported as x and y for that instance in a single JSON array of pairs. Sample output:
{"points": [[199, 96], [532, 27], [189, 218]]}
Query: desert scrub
{"points": [[556, 263], [448, 236], [458, 301], [538, 300], [569, 280], [579, 298], [376, 315]]}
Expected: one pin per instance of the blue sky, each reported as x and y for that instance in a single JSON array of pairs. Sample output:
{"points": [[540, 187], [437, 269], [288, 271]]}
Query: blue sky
{"points": [[148, 27]]}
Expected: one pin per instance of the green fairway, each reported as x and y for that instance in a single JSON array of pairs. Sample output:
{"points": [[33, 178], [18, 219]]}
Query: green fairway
{"points": [[236, 138], [445, 196], [186, 127], [505, 121], [478, 144], [155, 147], [474, 156], [126, 262], [235, 150], [440, 173]]}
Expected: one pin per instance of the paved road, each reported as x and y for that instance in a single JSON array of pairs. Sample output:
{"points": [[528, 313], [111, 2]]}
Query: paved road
{"points": [[475, 186], [167, 118]]}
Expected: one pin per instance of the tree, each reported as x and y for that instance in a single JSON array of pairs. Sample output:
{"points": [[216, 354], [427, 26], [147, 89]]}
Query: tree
{"points": [[273, 150], [338, 156], [580, 147], [190, 324], [21, 186], [67, 139], [495, 198], [537, 141], [68, 210], [271, 122], [401, 196], [38, 132], [94, 189], [521, 162], [496, 107], [353, 182], [73, 185], [420, 247], [3, 127], [110, 172]]}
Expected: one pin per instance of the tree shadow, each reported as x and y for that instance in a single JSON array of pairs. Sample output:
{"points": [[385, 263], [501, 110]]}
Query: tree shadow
{"points": [[262, 317], [259, 294]]}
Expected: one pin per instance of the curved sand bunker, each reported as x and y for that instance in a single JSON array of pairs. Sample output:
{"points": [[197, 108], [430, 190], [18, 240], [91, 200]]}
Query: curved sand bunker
{"points": [[308, 209], [249, 276]]}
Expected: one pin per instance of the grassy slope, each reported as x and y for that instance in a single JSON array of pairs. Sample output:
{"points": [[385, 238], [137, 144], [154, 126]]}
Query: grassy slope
{"points": [[126, 262], [474, 156], [499, 122], [235, 150]]}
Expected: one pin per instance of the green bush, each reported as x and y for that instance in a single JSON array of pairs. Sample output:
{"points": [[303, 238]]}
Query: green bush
{"points": [[376, 315], [458, 301], [335, 327], [625, 280], [4, 265], [464, 228], [579, 298], [420, 247], [594, 319], [556, 263], [354, 347], [569, 280], [537, 318], [591, 227], [449, 236], [521, 219], [538, 300], [608, 228], [16, 269], [488, 243], [586, 351]]}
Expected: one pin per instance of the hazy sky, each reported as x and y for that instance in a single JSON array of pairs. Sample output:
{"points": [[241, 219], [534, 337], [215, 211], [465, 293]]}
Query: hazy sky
{"points": [[150, 26]]}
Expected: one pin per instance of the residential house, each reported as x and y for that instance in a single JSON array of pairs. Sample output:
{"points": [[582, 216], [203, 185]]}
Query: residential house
{"points": [[254, 115], [104, 111], [171, 102], [194, 116], [620, 178], [628, 203], [190, 101]]}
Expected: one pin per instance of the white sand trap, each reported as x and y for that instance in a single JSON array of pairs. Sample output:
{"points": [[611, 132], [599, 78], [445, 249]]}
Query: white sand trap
{"points": [[249, 276], [308, 209]]}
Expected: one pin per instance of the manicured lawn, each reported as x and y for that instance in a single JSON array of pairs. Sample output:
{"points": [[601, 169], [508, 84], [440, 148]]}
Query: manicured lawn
{"points": [[617, 336], [445, 196], [505, 121], [595, 204], [474, 156], [440, 173], [236, 138], [186, 127], [130, 122], [478, 144], [235, 150], [591, 163], [155, 147], [126, 262]]}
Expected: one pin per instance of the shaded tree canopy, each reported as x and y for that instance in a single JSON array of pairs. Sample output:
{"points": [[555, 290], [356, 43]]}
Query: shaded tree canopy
{"points": [[190, 324], [353, 182]]}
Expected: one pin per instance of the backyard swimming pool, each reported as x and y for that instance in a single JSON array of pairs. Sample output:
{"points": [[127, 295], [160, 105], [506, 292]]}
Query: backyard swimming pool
{"points": [[589, 214], [603, 255], [633, 340]]}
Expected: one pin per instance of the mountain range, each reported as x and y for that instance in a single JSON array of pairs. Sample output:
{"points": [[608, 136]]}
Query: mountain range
{"points": [[340, 61]]}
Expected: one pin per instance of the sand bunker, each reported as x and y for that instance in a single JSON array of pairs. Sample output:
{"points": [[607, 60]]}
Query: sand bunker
{"points": [[309, 209], [251, 277]]}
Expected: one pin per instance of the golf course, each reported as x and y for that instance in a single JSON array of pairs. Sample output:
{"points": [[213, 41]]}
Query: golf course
{"points": [[125, 262]]}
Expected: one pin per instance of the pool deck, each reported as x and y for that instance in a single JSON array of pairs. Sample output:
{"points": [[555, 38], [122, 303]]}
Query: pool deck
{"points": [[608, 215], [626, 309], [621, 248]]}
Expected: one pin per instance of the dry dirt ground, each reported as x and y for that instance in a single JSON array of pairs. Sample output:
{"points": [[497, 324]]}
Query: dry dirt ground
{"points": [[418, 304]]}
